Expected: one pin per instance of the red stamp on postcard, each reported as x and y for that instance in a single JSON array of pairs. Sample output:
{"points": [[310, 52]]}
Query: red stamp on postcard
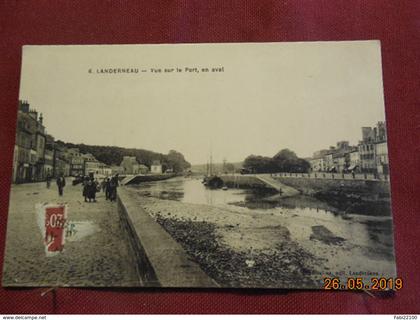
{"points": [[55, 220]]}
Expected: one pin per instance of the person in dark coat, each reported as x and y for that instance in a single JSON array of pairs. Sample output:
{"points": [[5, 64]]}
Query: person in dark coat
{"points": [[48, 180], [85, 188], [92, 190], [61, 182], [113, 184], [89, 190], [107, 189]]}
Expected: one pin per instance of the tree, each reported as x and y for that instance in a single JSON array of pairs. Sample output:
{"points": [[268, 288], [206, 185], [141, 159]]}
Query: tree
{"points": [[284, 161], [176, 161], [287, 161], [112, 155], [285, 154], [258, 164]]}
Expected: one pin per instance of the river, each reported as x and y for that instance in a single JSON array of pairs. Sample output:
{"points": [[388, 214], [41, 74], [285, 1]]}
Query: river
{"points": [[349, 241]]}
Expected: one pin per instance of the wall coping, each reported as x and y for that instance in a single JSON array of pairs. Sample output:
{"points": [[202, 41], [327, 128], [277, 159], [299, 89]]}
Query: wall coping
{"points": [[171, 266]]}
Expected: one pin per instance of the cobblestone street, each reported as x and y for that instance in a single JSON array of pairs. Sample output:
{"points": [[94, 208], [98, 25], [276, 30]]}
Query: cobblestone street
{"points": [[96, 255]]}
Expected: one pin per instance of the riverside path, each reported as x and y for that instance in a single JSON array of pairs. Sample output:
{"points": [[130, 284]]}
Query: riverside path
{"points": [[95, 254]]}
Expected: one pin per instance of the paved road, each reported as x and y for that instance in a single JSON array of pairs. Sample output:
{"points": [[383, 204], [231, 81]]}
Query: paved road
{"points": [[96, 255]]}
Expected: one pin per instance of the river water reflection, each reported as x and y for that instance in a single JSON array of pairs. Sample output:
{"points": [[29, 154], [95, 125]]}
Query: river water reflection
{"points": [[193, 191]]}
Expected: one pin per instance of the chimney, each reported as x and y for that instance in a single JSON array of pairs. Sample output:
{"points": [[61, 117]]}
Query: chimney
{"points": [[33, 114], [24, 106]]}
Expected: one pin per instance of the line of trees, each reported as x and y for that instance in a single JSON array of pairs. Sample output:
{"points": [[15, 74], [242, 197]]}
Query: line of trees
{"points": [[284, 161], [112, 155]]}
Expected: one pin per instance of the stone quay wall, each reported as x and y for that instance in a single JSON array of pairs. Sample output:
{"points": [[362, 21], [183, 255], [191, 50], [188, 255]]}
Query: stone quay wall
{"points": [[367, 189], [243, 181], [334, 176], [136, 179], [160, 260], [358, 185]]}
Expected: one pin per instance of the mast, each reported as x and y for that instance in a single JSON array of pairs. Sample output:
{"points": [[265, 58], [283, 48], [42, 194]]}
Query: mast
{"points": [[211, 164], [211, 159]]}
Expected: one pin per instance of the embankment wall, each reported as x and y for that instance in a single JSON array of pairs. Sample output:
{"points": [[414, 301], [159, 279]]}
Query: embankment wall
{"points": [[363, 188], [243, 181], [147, 178], [160, 260], [366, 188]]}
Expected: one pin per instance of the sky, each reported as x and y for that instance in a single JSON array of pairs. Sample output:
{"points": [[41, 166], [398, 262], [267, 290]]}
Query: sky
{"points": [[303, 96]]}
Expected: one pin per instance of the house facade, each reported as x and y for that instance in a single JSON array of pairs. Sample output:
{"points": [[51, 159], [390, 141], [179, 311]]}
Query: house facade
{"points": [[369, 156], [29, 157], [130, 165], [156, 167]]}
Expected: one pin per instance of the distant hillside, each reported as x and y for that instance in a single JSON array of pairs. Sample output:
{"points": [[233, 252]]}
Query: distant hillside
{"points": [[217, 167], [111, 155]]}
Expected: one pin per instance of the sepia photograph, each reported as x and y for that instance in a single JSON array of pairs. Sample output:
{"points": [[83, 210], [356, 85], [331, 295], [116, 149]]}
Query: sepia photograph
{"points": [[231, 165]]}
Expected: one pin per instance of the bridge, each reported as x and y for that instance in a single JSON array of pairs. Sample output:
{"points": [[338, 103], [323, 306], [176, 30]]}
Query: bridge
{"points": [[286, 191], [258, 181], [137, 178]]}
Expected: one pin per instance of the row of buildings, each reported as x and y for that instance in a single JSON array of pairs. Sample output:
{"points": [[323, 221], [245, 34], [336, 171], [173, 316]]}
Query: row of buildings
{"points": [[37, 155], [369, 156], [130, 165]]}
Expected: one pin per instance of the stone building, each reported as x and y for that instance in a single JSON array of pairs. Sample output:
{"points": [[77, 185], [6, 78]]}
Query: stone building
{"points": [[49, 155], [367, 157], [341, 161], [130, 165], [381, 155], [37, 155], [156, 167], [354, 161], [117, 170], [49, 163], [370, 155], [29, 148], [373, 151], [61, 164], [96, 167], [329, 161], [317, 164], [143, 169], [77, 162]]}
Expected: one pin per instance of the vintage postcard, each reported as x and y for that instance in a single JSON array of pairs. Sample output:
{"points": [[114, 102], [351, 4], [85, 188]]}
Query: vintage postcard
{"points": [[246, 165]]}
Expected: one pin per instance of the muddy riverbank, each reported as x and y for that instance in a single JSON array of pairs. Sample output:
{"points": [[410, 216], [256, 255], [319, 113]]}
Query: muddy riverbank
{"points": [[278, 267], [242, 240]]}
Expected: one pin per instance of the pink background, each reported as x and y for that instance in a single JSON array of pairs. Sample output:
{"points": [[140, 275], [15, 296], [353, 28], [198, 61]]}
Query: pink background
{"points": [[395, 23]]}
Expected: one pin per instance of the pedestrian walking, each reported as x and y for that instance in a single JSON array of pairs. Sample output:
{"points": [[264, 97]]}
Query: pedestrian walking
{"points": [[113, 184], [61, 183], [93, 190], [107, 189], [85, 188], [48, 180], [89, 190]]}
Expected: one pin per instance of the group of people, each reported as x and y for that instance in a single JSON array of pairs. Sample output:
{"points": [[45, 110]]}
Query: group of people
{"points": [[90, 187], [60, 181], [109, 186]]}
